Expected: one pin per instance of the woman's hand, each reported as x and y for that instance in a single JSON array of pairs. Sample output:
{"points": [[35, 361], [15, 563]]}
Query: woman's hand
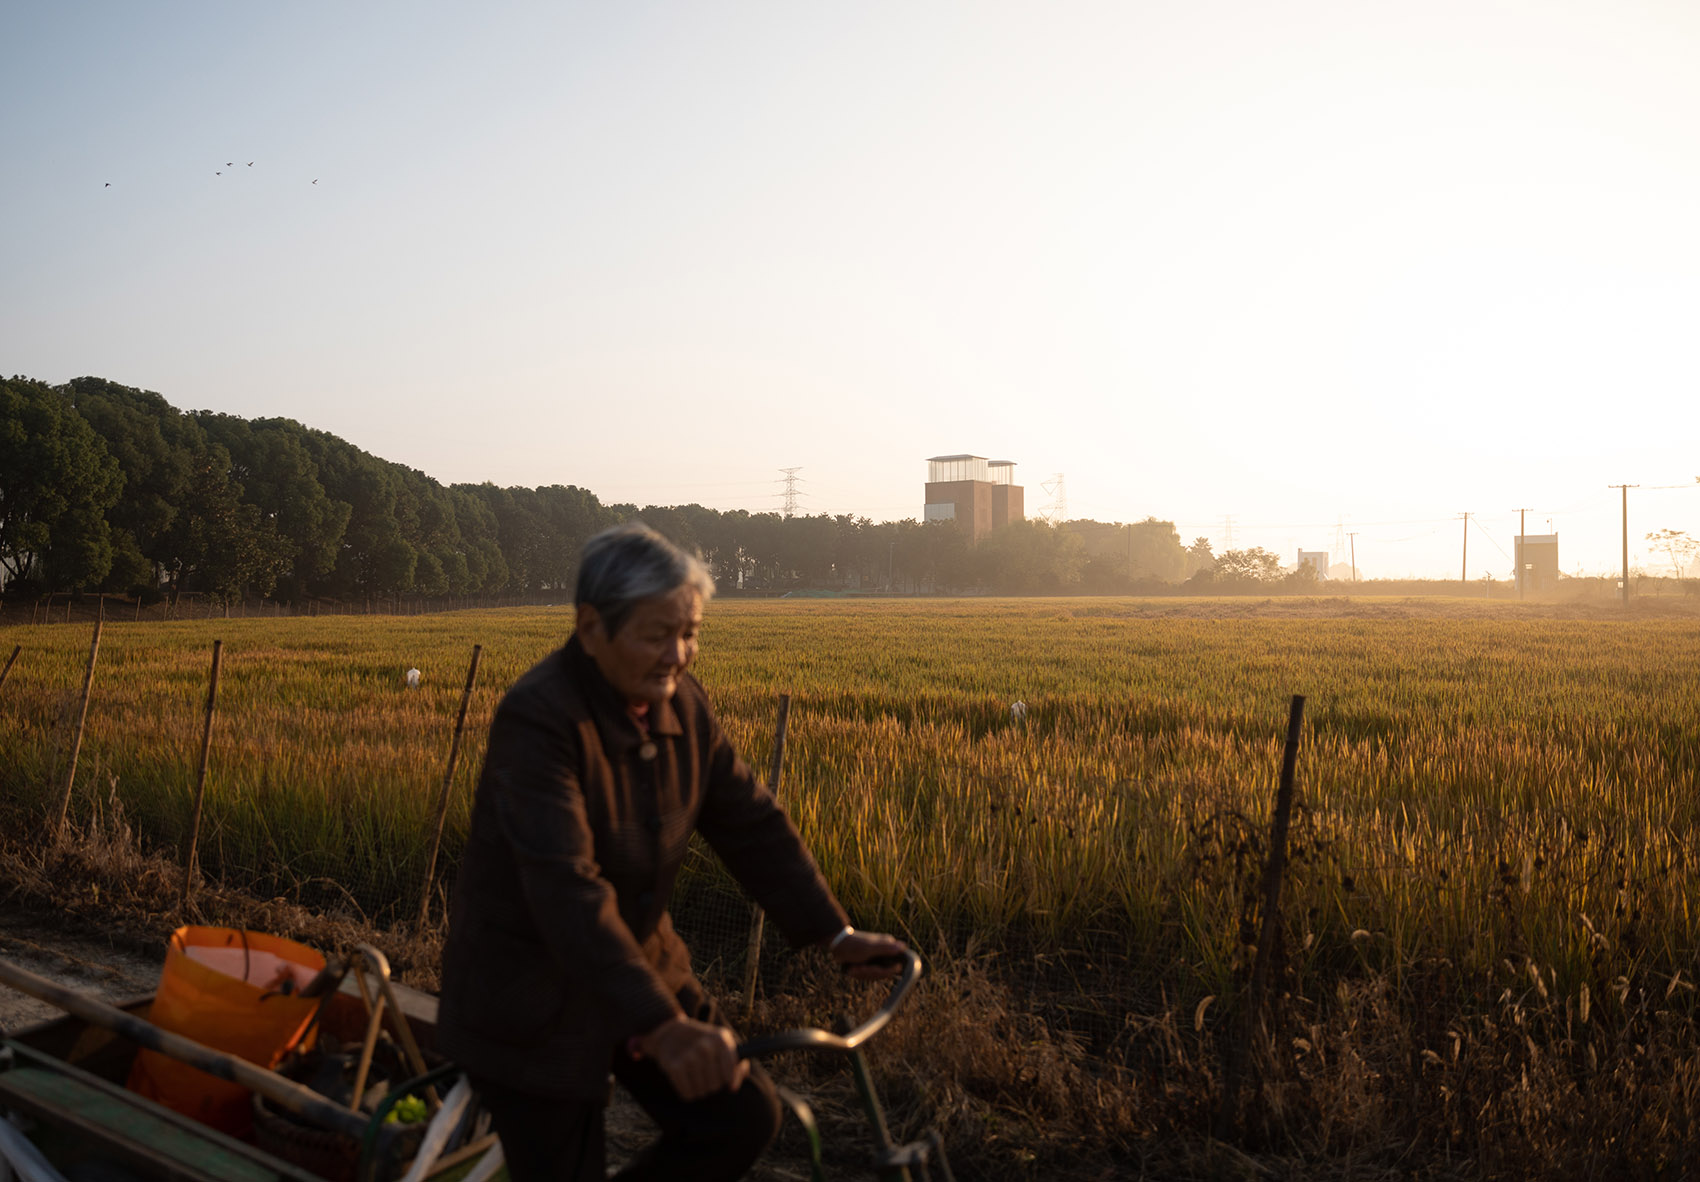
{"points": [[854, 952], [698, 1058]]}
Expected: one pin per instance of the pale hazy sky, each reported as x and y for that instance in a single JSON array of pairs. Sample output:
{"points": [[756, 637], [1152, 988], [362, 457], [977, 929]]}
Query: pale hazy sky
{"points": [[1298, 263]]}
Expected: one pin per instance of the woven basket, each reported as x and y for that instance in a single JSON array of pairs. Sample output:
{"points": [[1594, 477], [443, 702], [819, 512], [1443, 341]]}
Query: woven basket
{"points": [[333, 1156]]}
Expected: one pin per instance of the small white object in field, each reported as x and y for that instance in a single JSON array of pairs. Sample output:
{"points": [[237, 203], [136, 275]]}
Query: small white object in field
{"points": [[413, 679], [1018, 711]]}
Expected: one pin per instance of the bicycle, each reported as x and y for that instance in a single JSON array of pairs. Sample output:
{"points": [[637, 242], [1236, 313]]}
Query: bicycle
{"points": [[912, 1162]]}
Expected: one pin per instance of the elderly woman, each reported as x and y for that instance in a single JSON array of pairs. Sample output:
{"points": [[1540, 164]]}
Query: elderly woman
{"points": [[561, 964]]}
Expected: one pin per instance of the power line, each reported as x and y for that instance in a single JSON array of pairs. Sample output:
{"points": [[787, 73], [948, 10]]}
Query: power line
{"points": [[695, 484], [1261, 525], [1490, 537]]}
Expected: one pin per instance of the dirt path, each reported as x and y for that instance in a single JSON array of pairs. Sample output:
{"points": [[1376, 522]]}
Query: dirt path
{"points": [[82, 962]]}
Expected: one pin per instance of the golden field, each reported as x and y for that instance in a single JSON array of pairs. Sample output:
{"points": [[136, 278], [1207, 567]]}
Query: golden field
{"points": [[1455, 755], [1489, 942]]}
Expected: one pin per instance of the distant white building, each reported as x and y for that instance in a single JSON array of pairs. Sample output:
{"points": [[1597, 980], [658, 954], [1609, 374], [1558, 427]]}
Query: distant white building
{"points": [[1537, 563], [1317, 560]]}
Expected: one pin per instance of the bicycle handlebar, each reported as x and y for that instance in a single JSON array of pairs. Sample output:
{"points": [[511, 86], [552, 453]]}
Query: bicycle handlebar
{"points": [[812, 1037]]}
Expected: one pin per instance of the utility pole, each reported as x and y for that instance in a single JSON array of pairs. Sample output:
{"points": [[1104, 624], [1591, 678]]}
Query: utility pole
{"points": [[1625, 488], [1354, 539], [1522, 565], [1464, 570]]}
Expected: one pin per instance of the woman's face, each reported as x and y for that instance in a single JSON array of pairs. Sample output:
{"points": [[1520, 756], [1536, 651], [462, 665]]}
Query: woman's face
{"points": [[656, 643]]}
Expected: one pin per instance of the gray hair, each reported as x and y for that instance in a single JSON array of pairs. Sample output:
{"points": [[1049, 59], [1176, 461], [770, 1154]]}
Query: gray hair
{"points": [[627, 564]]}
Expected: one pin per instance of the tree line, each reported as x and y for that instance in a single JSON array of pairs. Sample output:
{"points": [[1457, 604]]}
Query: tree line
{"points": [[108, 488]]}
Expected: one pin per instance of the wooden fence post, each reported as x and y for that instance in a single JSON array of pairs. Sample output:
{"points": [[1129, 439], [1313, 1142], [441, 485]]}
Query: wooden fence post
{"points": [[1273, 871], [443, 795], [752, 954], [10, 661], [56, 822], [200, 780]]}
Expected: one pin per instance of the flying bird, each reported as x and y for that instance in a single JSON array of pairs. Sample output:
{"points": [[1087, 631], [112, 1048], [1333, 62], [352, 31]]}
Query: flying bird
{"points": [[250, 164], [230, 164], [108, 185], [315, 180], [218, 172]]}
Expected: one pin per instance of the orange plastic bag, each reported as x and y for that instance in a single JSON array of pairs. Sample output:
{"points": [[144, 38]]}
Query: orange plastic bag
{"points": [[236, 992]]}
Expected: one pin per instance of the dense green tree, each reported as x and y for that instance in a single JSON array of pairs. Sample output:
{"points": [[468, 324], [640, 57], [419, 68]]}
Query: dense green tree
{"points": [[80, 555], [853, 546], [1199, 557], [1121, 555], [271, 461], [762, 550], [713, 540], [879, 540], [480, 554], [223, 505], [1255, 565], [219, 544], [156, 448], [132, 572], [726, 548], [809, 546], [1032, 558], [426, 515], [570, 515], [512, 525], [938, 556], [674, 524], [1306, 580], [1157, 551], [57, 481], [374, 558]]}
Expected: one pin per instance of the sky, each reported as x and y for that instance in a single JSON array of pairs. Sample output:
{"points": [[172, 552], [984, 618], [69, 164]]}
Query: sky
{"points": [[1309, 274]]}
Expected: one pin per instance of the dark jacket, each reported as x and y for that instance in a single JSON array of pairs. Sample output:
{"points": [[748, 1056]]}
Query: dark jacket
{"points": [[559, 945]]}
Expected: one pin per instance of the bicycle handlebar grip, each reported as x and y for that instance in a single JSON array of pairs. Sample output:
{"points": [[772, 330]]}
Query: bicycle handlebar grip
{"points": [[790, 1040]]}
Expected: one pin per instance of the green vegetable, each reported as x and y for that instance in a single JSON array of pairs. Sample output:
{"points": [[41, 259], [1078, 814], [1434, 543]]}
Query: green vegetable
{"points": [[408, 1110]]}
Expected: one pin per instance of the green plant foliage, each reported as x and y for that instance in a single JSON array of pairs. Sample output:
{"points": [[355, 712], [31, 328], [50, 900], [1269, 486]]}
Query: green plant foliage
{"points": [[57, 481]]}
